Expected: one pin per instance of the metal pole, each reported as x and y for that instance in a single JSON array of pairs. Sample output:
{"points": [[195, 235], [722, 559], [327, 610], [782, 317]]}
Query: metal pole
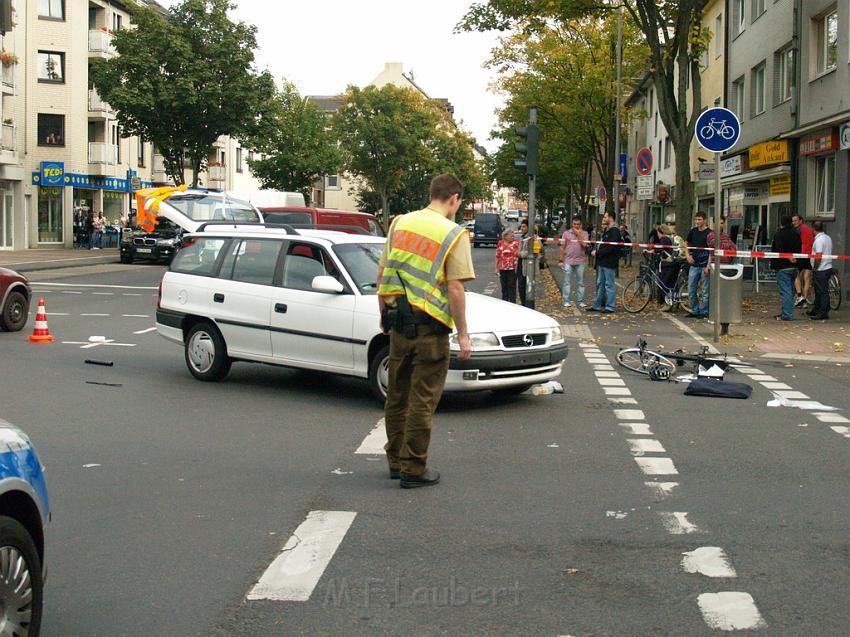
{"points": [[617, 176], [715, 276], [531, 258]]}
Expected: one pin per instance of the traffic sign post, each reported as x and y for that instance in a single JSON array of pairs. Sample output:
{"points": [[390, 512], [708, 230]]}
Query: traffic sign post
{"points": [[717, 130]]}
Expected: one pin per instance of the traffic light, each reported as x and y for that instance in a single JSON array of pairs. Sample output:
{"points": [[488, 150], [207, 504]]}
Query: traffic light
{"points": [[530, 150]]}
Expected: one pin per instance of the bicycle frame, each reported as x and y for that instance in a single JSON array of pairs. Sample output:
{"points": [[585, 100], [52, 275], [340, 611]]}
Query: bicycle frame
{"points": [[653, 278]]}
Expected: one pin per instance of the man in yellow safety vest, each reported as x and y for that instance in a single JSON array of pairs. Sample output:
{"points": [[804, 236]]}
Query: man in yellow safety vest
{"points": [[421, 292]]}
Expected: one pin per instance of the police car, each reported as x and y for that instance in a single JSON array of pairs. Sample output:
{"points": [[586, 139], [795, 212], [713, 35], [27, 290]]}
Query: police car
{"points": [[308, 299], [24, 512]]}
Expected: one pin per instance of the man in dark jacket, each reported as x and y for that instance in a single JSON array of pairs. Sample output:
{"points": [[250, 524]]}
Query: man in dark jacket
{"points": [[785, 240], [607, 258]]}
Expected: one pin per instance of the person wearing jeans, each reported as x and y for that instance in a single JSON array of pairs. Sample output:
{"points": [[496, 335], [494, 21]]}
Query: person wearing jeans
{"points": [[822, 267], [607, 259], [698, 258], [785, 240], [785, 280], [573, 260]]}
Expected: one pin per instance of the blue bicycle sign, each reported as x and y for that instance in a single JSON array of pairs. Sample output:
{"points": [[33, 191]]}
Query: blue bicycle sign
{"points": [[718, 129]]}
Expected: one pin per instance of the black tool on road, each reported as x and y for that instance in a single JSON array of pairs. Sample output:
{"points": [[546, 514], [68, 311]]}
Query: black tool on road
{"points": [[103, 363], [92, 382]]}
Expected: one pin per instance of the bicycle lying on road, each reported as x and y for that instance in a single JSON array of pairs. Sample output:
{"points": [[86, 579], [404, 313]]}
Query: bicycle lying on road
{"points": [[644, 361]]}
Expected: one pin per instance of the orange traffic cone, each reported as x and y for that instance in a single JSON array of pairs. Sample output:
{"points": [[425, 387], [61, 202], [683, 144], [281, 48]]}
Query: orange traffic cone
{"points": [[41, 334]]}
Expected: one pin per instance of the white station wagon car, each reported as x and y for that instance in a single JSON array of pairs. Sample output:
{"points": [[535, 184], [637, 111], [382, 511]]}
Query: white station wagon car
{"points": [[308, 299]]}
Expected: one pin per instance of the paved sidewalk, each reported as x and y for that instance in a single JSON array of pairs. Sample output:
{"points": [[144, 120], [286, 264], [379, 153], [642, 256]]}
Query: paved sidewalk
{"points": [[50, 259]]}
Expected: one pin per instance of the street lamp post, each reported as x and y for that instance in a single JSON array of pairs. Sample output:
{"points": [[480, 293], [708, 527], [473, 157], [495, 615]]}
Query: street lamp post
{"points": [[615, 191]]}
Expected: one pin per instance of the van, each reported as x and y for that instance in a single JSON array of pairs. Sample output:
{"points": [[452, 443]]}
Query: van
{"points": [[343, 220], [269, 198], [488, 229]]}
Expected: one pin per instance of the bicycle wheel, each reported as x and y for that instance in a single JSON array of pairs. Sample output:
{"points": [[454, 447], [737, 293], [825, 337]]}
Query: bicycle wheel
{"points": [[641, 361], [636, 295], [682, 297], [834, 292]]}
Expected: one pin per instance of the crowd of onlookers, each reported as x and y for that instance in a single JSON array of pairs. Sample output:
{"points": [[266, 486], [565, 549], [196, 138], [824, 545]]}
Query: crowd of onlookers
{"points": [[91, 229]]}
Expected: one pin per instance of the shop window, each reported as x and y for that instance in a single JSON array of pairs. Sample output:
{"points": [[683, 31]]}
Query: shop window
{"points": [[51, 130], [51, 67], [825, 186], [826, 41], [50, 215], [54, 9]]}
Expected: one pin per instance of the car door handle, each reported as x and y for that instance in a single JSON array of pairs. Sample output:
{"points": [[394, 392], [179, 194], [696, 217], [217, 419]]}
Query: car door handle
{"points": [[218, 298], [280, 308]]}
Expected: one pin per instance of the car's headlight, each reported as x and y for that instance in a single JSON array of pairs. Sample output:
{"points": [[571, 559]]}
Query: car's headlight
{"points": [[166, 242], [479, 340], [556, 335]]}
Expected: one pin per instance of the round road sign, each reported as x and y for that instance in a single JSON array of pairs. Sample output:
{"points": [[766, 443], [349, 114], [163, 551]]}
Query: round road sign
{"points": [[718, 130], [643, 161]]}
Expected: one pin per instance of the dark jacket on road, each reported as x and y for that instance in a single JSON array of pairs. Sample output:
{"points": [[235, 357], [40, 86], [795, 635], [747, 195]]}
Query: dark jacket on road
{"points": [[609, 256], [786, 240]]}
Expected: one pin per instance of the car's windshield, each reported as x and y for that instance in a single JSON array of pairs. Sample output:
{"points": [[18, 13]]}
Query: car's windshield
{"points": [[361, 261], [199, 207], [163, 224]]}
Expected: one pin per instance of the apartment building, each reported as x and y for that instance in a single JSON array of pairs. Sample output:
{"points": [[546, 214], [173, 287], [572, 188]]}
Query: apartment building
{"points": [[62, 154]]}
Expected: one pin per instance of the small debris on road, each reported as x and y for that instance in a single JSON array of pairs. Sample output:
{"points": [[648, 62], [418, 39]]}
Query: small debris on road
{"points": [[92, 382], [102, 363]]}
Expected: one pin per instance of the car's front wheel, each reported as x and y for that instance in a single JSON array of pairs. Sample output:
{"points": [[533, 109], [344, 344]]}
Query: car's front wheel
{"points": [[379, 373], [126, 257], [21, 585], [206, 353], [15, 312]]}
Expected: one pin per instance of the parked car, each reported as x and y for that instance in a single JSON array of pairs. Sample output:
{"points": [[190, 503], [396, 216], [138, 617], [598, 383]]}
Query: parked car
{"points": [[269, 198], [24, 513], [308, 300], [159, 245], [15, 297], [488, 229], [342, 220]]}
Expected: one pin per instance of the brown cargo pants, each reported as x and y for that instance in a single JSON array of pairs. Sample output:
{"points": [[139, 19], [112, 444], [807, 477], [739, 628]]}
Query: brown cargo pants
{"points": [[417, 373]]}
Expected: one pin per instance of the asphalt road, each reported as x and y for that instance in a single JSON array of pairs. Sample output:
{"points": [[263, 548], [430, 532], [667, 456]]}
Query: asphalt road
{"points": [[172, 497]]}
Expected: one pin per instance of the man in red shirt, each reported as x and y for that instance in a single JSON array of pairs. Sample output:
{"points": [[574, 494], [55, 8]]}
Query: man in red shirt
{"points": [[803, 283]]}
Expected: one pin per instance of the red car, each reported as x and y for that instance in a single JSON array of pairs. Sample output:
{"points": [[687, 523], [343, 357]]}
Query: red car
{"points": [[344, 220], [15, 295]]}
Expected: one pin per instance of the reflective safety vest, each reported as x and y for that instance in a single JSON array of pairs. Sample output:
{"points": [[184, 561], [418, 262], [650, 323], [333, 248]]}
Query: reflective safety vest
{"points": [[418, 245]]}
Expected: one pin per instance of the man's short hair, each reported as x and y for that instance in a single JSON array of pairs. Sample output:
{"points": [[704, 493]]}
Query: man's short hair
{"points": [[817, 225], [574, 219], [700, 214], [444, 186], [610, 215], [785, 221], [799, 216]]}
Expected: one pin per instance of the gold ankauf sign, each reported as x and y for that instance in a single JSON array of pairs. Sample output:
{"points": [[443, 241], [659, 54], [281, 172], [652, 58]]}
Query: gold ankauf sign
{"points": [[768, 153]]}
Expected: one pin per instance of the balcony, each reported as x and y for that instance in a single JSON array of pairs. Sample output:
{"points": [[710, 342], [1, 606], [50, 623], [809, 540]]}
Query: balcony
{"points": [[100, 44], [97, 107], [8, 144], [7, 79], [158, 174], [103, 159], [216, 172]]}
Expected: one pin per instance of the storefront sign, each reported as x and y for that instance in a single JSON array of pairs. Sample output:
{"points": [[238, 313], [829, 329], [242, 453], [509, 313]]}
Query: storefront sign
{"points": [[780, 186], [730, 167], [736, 195], [844, 136], [706, 171], [768, 153], [645, 187], [86, 181], [755, 191], [52, 173], [820, 143]]}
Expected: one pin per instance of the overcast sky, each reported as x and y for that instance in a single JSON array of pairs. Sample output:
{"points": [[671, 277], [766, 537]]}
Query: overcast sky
{"points": [[324, 45]]}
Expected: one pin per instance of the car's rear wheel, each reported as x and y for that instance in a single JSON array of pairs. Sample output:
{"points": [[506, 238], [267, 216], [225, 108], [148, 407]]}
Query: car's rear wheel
{"points": [[206, 353], [14, 312], [379, 373], [21, 585]]}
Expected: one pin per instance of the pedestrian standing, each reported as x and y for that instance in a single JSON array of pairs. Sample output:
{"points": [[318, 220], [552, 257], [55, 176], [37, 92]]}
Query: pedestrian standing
{"points": [[607, 258], [421, 294], [803, 282], [785, 240], [822, 267], [506, 261], [698, 257], [522, 283], [573, 260]]}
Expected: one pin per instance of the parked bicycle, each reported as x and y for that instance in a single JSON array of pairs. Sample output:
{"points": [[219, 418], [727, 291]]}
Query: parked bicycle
{"points": [[642, 360], [835, 292], [639, 291]]}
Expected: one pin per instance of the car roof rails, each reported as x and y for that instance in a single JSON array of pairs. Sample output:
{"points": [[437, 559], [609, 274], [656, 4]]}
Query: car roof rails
{"points": [[225, 224]]}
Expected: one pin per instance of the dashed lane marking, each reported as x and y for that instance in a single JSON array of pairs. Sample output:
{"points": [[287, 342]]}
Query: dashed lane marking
{"points": [[93, 285], [677, 523], [641, 446], [611, 382], [662, 490], [730, 610], [629, 414], [622, 401], [617, 391], [146, 331], [773, 385], [70, 292], [825, 416], [104, 293], [636, 428], [136, 315], [657, 466], [294, 574], [606, 374], [94, 314], [842, 431], [792, 395], [710, 561], [373, 443]]}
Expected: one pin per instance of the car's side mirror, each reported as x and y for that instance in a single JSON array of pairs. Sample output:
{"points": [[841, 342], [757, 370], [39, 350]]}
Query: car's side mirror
{"points": [[327, 284]]}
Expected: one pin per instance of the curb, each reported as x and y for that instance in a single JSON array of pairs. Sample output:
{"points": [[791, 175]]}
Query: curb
{"points": [[34, 266]]}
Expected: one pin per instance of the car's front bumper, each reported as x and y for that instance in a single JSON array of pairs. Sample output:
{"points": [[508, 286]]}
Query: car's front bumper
{"points": [[157, 253], [492, 370]]}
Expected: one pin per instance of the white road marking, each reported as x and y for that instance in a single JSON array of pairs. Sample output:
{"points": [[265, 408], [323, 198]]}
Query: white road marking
{"points": [[641, 446], [842, 431], [90, 345], [593, 358], [611, 382], [617, 515], [825, 416], [636, 428], [611, 374], [662, 490], [70, 292], [730, 610], [94, 315], [809, 405], [150, 329], [793, 395], [623, 401], [49, 314], [136, 315], [617, 391], [776, 385], [94, 285], [747, 370], [710, 561], [103, 293], [490, 289], [629, 414], [90, 466], [588, 346], [657, 466], [687, 330], [294, 573], [603, 368], [373, 443], [130, 294], [676, 523], [762, 378]]}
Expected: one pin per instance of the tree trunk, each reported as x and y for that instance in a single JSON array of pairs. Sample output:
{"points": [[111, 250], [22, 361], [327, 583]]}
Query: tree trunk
{"points": [[385, 209], [684, 191], [196, 168]]}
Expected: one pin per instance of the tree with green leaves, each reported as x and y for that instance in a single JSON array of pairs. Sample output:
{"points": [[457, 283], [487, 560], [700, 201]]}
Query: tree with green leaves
{"points": [[297, 142], [674, 36], [183, 80]]}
